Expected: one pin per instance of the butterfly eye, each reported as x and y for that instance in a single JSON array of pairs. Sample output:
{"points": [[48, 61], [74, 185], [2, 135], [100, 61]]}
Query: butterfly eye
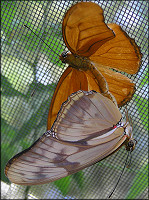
{"points": [[63, 56], [130, 145]]}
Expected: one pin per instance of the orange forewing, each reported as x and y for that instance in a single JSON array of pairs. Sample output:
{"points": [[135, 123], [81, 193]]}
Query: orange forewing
{"points": [[71, 80], [120, 53], [105, 47], [84, 30]]}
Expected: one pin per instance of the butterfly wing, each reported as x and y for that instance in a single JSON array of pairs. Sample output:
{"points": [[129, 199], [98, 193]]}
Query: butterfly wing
{"points": [[84, 30], [83, 114], [120, 86], [120, 53], [51, 158], [86, 34], [71, 81]]}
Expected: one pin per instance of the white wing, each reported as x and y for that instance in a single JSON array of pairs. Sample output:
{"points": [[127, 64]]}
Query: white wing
{"points": [[51, 158], [85, 113]]}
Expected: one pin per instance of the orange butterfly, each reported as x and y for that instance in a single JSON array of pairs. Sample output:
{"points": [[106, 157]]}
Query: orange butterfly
{"points": [[88, 128], [96, 49]]}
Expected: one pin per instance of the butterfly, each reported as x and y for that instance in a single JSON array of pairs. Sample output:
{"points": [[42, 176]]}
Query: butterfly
{"points": [[88, 128], [95, 49]]}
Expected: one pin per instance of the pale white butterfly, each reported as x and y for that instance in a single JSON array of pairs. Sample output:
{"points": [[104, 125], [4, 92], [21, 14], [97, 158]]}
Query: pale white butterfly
{"points": [[87, 129]]}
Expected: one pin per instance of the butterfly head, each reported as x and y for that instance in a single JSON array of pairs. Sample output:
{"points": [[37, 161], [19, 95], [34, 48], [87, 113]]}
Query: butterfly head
{"points": [[64, 55], [130, 142]]}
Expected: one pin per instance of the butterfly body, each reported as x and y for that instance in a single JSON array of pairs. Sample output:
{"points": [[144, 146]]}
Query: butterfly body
{"points": [[85, 64], [75, 61]]}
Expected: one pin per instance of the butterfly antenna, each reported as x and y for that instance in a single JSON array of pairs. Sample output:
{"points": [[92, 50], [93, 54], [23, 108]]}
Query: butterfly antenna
{"points": [[40, 39], [33, 91], [120, 175]]}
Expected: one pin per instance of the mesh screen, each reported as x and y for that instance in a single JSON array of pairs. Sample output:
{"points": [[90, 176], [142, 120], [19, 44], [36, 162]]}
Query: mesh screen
{"points": [[28, 64]]}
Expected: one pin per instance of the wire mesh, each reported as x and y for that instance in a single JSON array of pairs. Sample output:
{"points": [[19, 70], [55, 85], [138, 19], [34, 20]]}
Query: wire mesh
{"points": [[27, 63]]}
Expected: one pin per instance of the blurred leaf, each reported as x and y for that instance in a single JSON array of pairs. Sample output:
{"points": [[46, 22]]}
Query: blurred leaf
{"points": [[144, 77], [6, 151], [18, 72], [140, 183], [31, 126], [5, 85], [79, 178], [63, 184], [142, 104]]}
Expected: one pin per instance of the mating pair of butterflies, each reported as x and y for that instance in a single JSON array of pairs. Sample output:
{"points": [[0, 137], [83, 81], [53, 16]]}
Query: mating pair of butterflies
{"points": [[88, 126]]}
